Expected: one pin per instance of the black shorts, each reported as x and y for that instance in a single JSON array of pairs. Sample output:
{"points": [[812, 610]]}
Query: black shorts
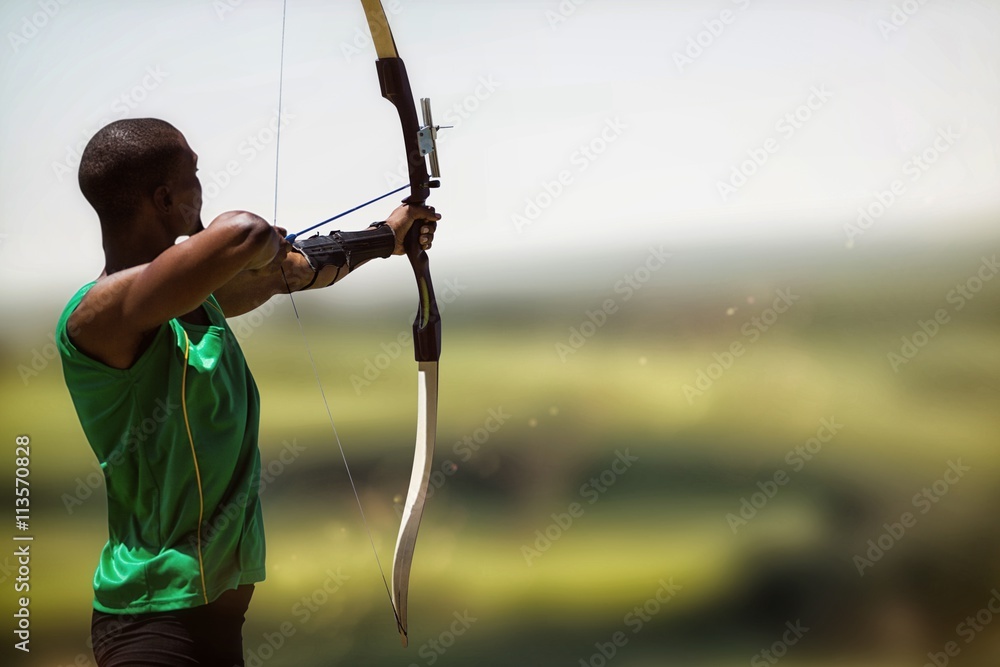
{"points": [[211, 634]]}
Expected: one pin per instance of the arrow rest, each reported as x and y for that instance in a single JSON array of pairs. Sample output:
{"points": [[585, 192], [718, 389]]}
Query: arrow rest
{"points": [[427, 140]]}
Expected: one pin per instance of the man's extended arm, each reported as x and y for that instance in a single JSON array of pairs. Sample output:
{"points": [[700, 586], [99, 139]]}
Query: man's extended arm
{"points": [[291, 271], [115, 318]]}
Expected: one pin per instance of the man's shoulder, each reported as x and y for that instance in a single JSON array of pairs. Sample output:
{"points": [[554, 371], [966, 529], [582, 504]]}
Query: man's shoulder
{"points": [[71, 307]]}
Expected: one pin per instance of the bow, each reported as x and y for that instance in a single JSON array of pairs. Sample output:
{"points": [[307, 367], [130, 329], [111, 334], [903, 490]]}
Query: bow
{"points": [[420, 142]]}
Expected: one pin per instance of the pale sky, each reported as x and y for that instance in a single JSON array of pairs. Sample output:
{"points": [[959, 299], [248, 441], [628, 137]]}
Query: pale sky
{"points": [[609, 129]]}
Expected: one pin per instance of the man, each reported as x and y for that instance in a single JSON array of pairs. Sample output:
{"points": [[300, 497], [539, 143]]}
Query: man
{"points": [[165, 397]]}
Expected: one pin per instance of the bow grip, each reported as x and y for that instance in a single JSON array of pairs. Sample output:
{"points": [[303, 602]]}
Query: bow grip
{"points": [[427, 324]]}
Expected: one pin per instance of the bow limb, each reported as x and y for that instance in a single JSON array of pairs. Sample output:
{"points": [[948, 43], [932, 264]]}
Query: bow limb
{"points": [[419, 142], [423, 459]]}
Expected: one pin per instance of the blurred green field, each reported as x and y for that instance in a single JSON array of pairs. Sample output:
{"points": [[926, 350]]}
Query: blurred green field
{"points": [[661, 520]]}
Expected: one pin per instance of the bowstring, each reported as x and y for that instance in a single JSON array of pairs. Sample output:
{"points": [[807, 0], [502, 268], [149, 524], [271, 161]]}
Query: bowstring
{"points": [[302, 331], [292, 237]]}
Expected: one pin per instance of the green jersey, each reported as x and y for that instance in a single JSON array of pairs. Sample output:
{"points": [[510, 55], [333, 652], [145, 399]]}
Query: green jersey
{"points": [[176, 437]]}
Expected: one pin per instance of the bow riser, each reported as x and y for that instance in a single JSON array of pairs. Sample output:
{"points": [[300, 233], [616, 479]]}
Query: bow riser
{"points": [[395, 85]]}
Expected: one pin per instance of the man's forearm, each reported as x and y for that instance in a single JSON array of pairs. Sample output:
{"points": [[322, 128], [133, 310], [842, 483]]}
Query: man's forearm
{"points": [[248, 290], [251, 289]]}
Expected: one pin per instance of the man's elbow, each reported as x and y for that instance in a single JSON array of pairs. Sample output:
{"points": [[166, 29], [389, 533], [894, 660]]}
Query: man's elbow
{"points": [[251, 233]]}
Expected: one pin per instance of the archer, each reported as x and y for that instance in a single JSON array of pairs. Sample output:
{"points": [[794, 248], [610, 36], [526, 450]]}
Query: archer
{"points": [[166, 399]]}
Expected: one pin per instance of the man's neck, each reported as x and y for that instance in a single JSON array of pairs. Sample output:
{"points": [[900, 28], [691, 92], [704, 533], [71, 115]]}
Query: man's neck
{"points": [[133, 245]]}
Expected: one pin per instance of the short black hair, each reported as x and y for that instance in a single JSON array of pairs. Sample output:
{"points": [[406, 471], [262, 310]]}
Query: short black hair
{"points": [[125, 161]]}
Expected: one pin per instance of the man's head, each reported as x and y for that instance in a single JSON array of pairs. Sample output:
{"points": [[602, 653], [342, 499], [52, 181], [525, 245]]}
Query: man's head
{"points": [[140, 168]]}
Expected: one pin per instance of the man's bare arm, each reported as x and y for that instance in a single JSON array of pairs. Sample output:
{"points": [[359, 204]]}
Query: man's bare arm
{"points": [[115, 317], [250, 289]]}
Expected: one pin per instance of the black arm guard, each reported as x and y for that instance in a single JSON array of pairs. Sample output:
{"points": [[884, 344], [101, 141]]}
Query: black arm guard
{"points": [[350, 248]]}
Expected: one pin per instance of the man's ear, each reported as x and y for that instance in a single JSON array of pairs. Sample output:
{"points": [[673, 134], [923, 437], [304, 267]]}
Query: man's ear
{"points": [[163, 199]]}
